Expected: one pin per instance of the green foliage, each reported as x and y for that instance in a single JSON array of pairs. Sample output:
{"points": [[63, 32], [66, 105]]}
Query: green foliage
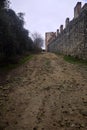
{"points": [[10, 66], [4, 4], [47, 62], [25, 59], [14, 39], [74, 60]]}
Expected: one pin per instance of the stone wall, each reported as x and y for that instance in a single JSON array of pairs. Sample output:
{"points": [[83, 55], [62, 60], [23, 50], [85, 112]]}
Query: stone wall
{"points": [[73, 39], [49, 36]]}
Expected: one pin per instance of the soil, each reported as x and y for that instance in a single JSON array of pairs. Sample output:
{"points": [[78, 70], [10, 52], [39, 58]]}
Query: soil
{"points": [[45, 93]]}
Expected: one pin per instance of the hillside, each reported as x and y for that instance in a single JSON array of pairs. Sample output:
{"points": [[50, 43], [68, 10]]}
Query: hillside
{"points": [[45, 93]]}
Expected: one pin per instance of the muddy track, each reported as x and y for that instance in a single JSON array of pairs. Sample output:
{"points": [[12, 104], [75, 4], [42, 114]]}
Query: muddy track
{"points": [[46, 93]]}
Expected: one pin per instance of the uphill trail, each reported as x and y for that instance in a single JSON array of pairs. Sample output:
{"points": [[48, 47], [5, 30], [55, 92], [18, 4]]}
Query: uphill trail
{"points": [[45, 93]]}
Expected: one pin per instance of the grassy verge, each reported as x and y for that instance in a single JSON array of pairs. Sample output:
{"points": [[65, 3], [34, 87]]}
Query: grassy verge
{"points": [[8, 67], [74, 60], [47, 62]]}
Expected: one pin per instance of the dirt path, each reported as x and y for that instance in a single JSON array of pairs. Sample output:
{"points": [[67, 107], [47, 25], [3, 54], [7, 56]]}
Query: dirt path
{"points": [[46, 93]]}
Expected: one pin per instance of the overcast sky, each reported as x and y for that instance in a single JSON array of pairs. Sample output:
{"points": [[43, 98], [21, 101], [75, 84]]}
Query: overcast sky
{"points": [[45, 15]]}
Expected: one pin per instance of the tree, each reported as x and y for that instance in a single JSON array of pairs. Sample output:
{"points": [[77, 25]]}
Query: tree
{"points": [[4, 3], [21, 17], [38, 40], [14, 38]]}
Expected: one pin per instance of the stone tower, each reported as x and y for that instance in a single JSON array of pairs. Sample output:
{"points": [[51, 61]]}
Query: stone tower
{"points": [[77, 9], [49, 36]]}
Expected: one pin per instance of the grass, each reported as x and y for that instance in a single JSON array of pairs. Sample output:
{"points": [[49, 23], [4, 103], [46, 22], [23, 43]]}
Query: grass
{"points": [[58, 53], [47, 63], [74, 60], [26, 58], [8, 67]]}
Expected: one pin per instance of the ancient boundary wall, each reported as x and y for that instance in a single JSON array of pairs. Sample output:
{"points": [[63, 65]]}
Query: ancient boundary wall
{"points": [[73, 39]]}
